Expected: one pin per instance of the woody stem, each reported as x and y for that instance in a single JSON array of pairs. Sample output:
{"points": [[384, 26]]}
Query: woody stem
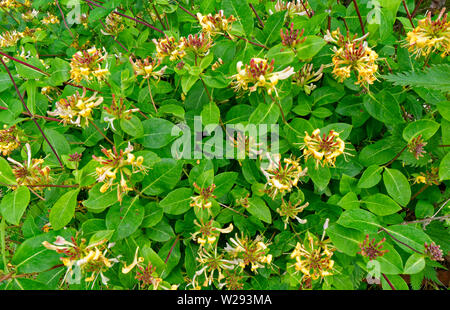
{"points": [[408, 14], [388, 282], [420, 191], [256, 14], [100, 132], [64, 19], [359, 16], [396, 156], [31, 114]]}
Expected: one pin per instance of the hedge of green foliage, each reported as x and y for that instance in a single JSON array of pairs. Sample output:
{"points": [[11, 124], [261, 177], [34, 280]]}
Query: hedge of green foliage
{"points": [[115, 170]]}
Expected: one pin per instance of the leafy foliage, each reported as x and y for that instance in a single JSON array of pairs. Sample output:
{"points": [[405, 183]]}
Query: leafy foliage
{"points": [[128, 159]]}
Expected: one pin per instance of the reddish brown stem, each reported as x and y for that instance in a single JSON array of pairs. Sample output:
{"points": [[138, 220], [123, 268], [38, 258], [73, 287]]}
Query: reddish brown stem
{"points": [[416, 8], [388, 282], [359, 16], [100, 132], [420, 191], [159, 17], [64, 19], [171, 249], [256, 14], [129, 17], [396, 156], [31, 114], [45, 185], [187, 11], [407, 13]]}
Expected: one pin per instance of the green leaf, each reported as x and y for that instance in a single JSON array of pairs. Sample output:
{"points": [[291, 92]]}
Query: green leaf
{"points": [[410, 235], [384, 107], [309, 48], [6, 173], [397, 186], [345, 239], [157, 133], [265, 114], [59, 143], [32, 256], [360, 220], [444, 168], [272, 27], [414, 264], [320, 176], [258, 208], [161, 232], [163, 177], [132, 126], [349, 201], [125, 218], [177, 202], [443, 108], [391, 262], [210, 114], [63, 210], [14, 204], [60, 71], [241, 11], [370, 177], [379, 152], [381, 204], [424, 127], [98, 201]]}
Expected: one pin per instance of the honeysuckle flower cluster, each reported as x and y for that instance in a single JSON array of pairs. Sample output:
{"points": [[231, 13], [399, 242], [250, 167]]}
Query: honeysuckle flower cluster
{"points": [[282, 176], [117, 111], [429, 177], [199, 44], [50, 92], [353, 55], [289, 211], [216, 24], [430, 36], [416, 147], [50, 19], [244, 251], [434, 251], [10, 38], [76, 109], [32, 172], [89, 64], [258, 74], [291, 38], [292, 8], [209, 232], [313, 258], [29, 15], [122, 163], [147, 68], [371, 249], [323, 149], [169, 47], [91, 260], [113, 25], [211, 262], [9, 139], [204, 199], [246, 145], [306, 76]]}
